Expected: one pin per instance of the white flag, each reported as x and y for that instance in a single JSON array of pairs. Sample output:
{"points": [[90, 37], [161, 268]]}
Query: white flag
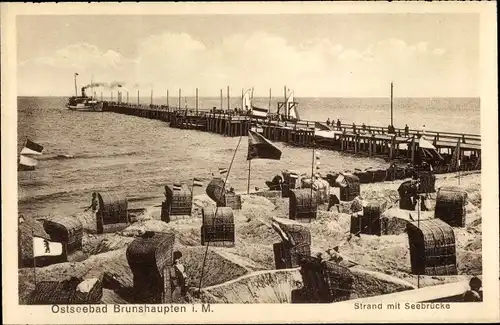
{"points": [[28, 151], [27, 161], [43, 247], [341, 181]]}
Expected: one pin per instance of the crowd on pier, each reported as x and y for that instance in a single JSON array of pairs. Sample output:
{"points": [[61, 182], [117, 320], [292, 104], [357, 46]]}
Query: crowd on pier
{"points": [[390, 128]]}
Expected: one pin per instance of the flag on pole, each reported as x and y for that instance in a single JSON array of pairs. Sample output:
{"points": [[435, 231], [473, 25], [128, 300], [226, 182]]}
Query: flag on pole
{"points": [[261, 148], [342, 181], [43, 247], [197, 182], [222, 171], [455, 158], [177, 187], [31, 148], [27, 161]]}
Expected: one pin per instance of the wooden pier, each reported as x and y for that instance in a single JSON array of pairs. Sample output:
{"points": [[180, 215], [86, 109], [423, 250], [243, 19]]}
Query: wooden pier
{"points": [[371, 141]]}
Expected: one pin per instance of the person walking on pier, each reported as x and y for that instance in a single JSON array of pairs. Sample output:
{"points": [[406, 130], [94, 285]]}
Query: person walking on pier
{"points": [[339, 125], [328, 122], [363, 127], [353, 127], [407, 130]]}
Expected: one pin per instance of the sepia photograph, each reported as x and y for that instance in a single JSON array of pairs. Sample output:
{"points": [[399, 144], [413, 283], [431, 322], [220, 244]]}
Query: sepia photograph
{"points": [[172, 160]]}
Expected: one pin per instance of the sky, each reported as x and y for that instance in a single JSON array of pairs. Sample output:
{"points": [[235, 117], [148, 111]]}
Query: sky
{"points": [[316, 55]]}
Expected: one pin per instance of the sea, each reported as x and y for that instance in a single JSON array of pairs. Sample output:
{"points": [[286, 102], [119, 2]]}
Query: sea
{"points": [[85, 152]]}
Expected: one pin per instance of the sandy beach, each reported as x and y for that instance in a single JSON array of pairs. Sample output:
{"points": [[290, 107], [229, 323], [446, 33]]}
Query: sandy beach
{"points": [[383, 262]]}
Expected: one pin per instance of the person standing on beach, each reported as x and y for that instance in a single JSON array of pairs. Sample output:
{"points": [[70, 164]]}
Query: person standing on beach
{"points": [[178, 279], [94, 203], [475, 294]]}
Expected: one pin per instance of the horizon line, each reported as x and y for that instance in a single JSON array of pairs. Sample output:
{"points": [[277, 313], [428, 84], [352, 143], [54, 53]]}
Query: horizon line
{"points": [[225, 97]]}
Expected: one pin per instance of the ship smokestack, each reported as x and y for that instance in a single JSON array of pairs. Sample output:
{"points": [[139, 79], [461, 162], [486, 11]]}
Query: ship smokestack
{"points": [[83, 92]]}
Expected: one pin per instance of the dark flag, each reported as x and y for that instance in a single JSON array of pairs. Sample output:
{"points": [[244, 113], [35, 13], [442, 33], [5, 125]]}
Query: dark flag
{"points": [[261, 148], [31, 148]]}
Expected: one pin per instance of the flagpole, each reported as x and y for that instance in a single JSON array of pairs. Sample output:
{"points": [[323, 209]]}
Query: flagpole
{"points": [[269, 100], [418, 226], [76, 91], [249, 169], [34, 258], [392, 123], [312, 172]]}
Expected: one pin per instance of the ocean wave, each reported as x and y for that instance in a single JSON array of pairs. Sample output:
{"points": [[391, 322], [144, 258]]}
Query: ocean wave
{"points": [[63, 156]]}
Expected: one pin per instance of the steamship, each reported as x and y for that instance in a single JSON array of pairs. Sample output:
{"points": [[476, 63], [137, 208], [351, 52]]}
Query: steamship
{"points": [[84, 103]]}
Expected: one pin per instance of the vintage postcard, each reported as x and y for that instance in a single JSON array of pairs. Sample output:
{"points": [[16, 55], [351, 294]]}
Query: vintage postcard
{"points": [[249, 162]]}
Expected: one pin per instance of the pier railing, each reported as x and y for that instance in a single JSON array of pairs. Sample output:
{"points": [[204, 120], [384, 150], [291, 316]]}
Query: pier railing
{"points": [[445, 139]]}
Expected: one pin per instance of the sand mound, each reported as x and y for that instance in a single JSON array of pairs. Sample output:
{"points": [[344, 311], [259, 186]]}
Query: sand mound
{"points": [[110, 297], [110, 243], [219, 267], [187, 231], [329, 229], [368, 284], [469, 263], [257, 207], [248, 201], [260, 287], [88, 220], [201, 202], [276, 287], [256, 231]]}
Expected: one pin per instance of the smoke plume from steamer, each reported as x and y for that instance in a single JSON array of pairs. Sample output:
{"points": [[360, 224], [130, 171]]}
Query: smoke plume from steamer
{"points": [[108, 85]]}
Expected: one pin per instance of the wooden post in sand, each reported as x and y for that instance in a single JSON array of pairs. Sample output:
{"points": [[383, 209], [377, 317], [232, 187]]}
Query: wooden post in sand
{"points": [[413, 150], [196, 101], [179, 101]]}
